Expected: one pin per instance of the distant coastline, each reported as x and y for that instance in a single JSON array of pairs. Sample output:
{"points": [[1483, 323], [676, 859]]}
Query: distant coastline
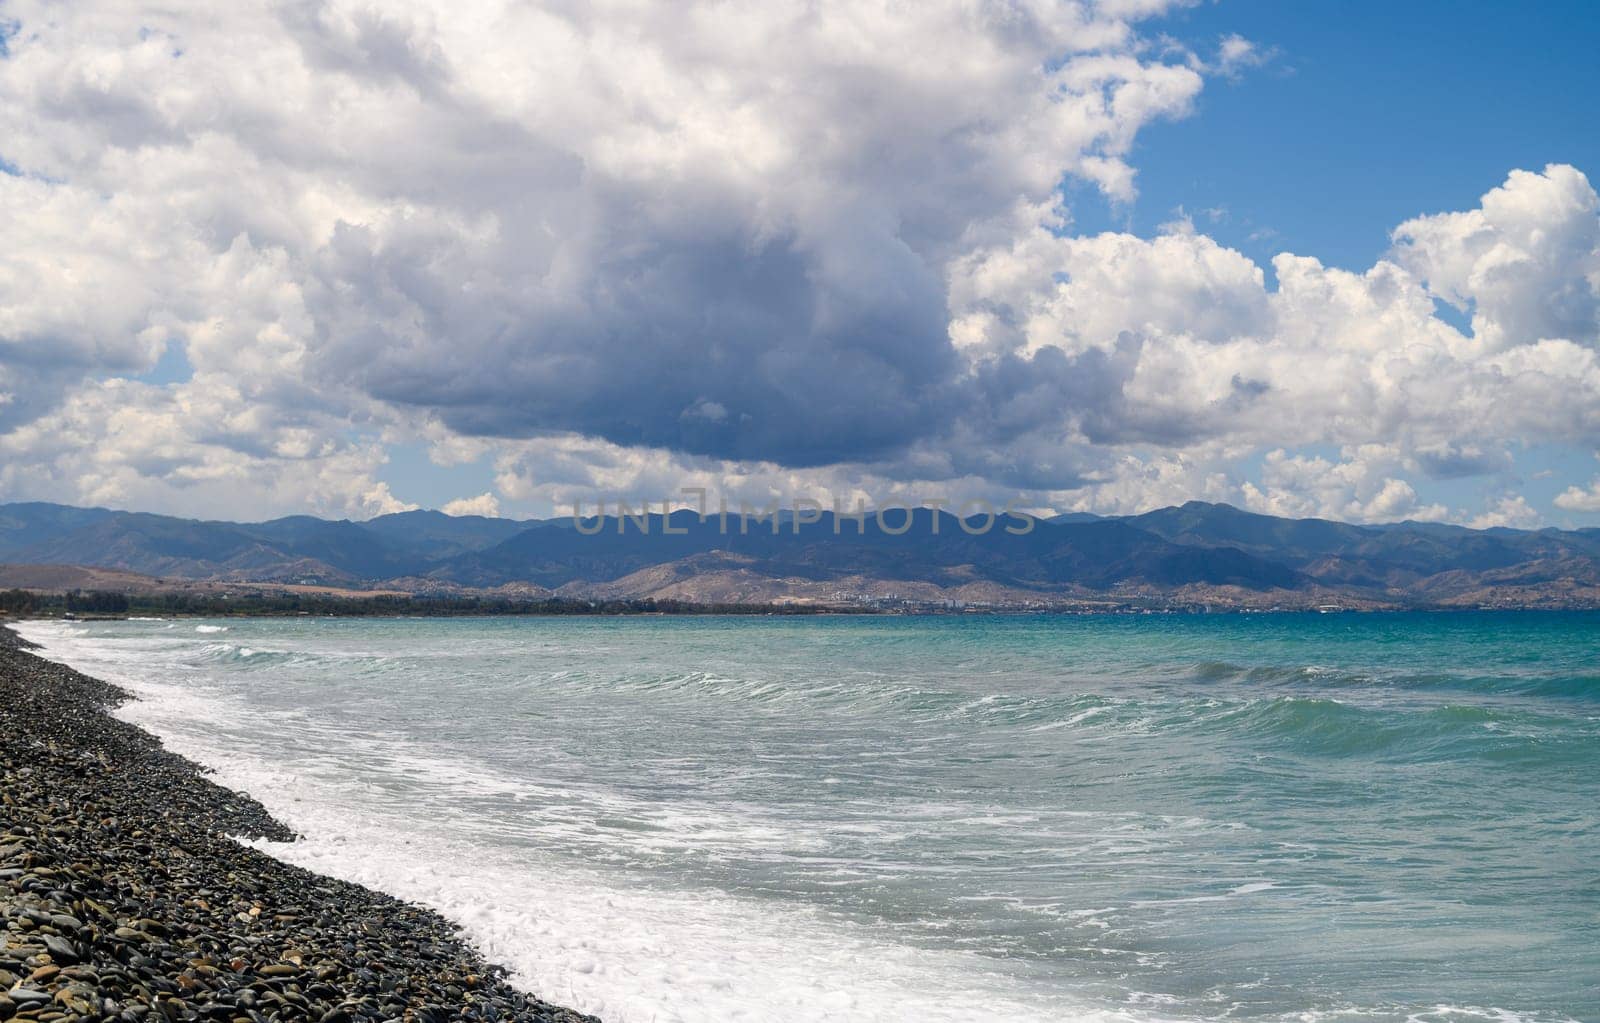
{"points": [[245, 602], [55, 607]]}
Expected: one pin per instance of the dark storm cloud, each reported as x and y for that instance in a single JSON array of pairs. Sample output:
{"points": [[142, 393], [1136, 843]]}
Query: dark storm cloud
{"points": [[803, 355]]}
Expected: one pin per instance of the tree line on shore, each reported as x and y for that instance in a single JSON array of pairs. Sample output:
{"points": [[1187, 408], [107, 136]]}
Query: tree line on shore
{"points": [[104, 602], [76, 601]]}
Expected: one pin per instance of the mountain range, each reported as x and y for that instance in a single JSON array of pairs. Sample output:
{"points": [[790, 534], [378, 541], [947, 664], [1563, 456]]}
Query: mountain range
{"points": [[1197, 553]]}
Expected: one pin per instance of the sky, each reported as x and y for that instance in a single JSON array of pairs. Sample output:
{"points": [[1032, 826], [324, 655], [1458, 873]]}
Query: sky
{"points": [[331, 257]]}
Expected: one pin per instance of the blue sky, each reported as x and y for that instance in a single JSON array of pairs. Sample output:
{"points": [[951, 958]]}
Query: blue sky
{"points": [[1368, 113]]}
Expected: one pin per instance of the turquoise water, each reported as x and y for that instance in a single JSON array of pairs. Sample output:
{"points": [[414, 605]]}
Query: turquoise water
{"points": [[1296, 817]]}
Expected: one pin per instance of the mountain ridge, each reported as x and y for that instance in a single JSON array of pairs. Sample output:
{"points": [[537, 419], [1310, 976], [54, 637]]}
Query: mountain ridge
{"points": [[1197, 552]]}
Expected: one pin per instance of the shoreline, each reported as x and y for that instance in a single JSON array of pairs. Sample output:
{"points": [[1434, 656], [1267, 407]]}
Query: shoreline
{"points": [[122, 896]]}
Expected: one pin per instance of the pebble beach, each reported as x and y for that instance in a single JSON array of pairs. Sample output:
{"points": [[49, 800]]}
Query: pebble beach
{"points": [[124, 895]]}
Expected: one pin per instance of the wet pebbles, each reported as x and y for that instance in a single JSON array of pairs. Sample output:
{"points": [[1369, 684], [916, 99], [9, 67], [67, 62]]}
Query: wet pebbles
{"points": [[122, 898]]}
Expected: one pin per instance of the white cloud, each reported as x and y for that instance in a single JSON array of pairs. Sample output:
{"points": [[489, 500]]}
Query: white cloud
{"points": [[1176, 340], [485, 504], [1359, 488], [1526, 262], [1510, 510], [1132, 484], [196, 449], [1236, 54], [1074, 294], [1579, 499]]}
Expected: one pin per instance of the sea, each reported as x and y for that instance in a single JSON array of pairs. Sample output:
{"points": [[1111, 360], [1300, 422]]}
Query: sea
{"points": [[1286, 817]]}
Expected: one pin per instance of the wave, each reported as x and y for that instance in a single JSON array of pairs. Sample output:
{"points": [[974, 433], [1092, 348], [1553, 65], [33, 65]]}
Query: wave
{"points": [[1322, 711], [1324, 727], [1312, 724], [238, 654], [1578, 686], [861, 695]]}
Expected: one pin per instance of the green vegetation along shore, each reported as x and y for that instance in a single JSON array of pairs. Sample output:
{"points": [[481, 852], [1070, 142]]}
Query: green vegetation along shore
{"points": [[251, 602]]}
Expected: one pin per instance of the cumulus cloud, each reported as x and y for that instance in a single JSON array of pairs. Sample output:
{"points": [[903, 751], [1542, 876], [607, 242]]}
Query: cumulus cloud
{"points": [[1177, 341], [484, 504], [195, 449], [1509, 511], [1359, 488], [1580, 499], [1526, 263]]}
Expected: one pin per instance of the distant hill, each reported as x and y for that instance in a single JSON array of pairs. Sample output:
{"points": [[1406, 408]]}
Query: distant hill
{"points": [[65, 578], [1400, 555], [57, 578], [935, 548], [437, 535], [1197, 553]]}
